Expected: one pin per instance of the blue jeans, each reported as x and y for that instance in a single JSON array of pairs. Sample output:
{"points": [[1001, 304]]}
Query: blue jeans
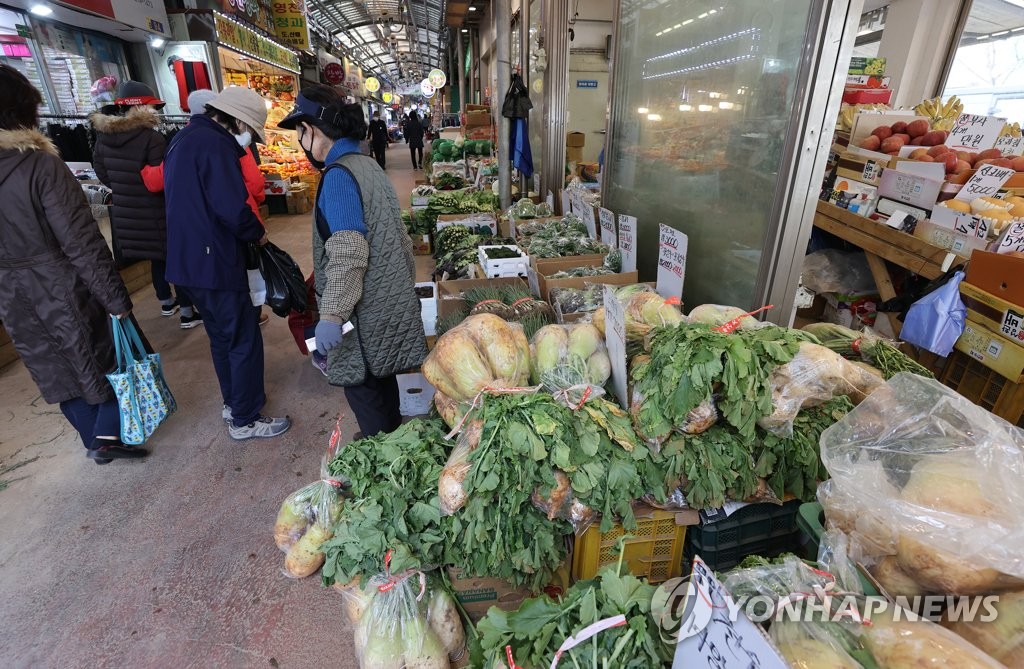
{"points": [[92, 420]]}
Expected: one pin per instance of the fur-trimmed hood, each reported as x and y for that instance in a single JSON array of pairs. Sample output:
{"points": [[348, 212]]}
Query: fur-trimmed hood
{"points": [[137, 118], [26, 140]]}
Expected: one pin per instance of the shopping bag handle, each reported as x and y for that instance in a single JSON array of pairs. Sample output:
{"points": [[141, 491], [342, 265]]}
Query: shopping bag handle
{"points": [[128, 346]]}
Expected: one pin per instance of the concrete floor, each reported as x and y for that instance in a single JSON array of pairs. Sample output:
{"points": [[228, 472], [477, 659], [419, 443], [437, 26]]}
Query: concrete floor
{"points": [[170, 561]]}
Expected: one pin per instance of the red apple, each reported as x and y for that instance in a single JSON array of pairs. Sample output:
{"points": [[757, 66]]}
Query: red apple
{"points": [[915, 141], [990, 153], [1002, 162], [917, 153], [882, 132], [938, 150], [917, 128], [899, 127], [926, 159], [871, 143], [1018, 164], [951, 161], [961, 167]]}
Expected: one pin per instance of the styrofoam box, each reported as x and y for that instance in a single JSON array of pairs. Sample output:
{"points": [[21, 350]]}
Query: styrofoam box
{"points": [[496, 268], [428, 309], [415, 394]]}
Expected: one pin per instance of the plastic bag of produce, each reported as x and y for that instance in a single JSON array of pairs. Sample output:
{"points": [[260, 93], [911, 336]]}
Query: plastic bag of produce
{"points": [[571, 362], [561, 503], [867, 346], [524, 208], [896, 641], [717, 315], [396, 629], [307, 517], [814, 376], [451, 493], [933, 480], [645, 310], [1002, 638]]}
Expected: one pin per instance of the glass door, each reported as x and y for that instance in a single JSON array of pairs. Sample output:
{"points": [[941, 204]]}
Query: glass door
{"points": [[710, 101]]}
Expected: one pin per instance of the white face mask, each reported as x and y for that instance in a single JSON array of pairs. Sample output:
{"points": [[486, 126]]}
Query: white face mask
{"points": [[245, 139]]}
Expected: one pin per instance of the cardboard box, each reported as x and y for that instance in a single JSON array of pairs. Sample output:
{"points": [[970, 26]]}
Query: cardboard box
{"points": [[575, 139], [420, 245], [444, 220], [449, 293], [946, 238], [996, 314], [476, 119], [999, 275], [992, 350], [415, 394], [275, 186], [574, 154], [860, 168], [428, 309], [869, 66], [867, 81], [910, 189], [853, 195], [542, 286]]}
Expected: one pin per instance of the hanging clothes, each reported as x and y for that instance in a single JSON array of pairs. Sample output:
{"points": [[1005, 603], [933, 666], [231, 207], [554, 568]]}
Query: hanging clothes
{"points": [[517, 108]]}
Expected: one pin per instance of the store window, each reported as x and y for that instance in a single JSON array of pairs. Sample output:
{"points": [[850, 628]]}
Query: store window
{"points": [[18, 51], [74, 60], [987, 72]]}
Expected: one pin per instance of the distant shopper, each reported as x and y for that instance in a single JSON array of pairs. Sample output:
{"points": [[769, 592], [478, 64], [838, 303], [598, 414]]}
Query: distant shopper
{"points": [[127, 146], [378, 136], [209, 226], [362, 261], [58, 282], [414, 133]]}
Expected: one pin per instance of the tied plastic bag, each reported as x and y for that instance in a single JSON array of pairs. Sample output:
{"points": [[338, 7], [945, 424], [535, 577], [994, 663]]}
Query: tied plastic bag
{"points": [[406, 620], [645, 310], [524, 208], [571, 362], [927, 477], [285, 282], [257, 286], [561, 503], [936, 321], [1003, 637], [814, 376], [307, 517]]}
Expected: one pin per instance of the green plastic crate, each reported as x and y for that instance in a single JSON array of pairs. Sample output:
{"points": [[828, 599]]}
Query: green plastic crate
{"points": [[810, 520], [756, 529]]}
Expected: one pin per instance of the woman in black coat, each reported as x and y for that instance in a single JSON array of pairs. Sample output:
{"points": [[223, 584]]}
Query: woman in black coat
{"points": [[127, 148], [58, 282], [414, 135]]}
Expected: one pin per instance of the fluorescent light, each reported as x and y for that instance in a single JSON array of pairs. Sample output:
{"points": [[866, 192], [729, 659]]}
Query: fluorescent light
{"points": [[642, 110], [465, 30], [472, 9], [678, 25], [1002, 32], [157, 42], [702, 16], [41, 10], [687, 22], [713, 11], [704, 108], [685, 108], [739, 91], [714, 95], [654, 117], [725, 105]]}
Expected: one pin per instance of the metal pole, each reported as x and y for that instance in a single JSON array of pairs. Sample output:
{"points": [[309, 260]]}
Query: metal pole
{"points": [[460, 62], [524, 60], [474, 49], [502, 42], [556, 43]]}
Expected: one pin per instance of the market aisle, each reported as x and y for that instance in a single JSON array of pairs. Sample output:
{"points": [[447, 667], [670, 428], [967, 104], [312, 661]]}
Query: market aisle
{"points": [[168, 562]]}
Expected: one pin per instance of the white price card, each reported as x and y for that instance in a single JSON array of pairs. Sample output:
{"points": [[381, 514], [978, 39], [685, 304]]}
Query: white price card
{"points": [[550, 199], [615, 339], [608, 234], [1010, 145], [986, 181], [627, 242], [972, 226], [716, 633], [586, 212], [566, 202], [1012, 238], [1013, 325], [672, 247], [975, 133]]}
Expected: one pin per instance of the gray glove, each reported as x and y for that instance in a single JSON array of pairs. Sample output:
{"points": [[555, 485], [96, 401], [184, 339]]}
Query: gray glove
{"points": [[328, 335]]}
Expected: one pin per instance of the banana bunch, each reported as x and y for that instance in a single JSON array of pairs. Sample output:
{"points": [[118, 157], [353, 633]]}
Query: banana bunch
{"points": [[942, 115], [1011, 129], [847, 112]]}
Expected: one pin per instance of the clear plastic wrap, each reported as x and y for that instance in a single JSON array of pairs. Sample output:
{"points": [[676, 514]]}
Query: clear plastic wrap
{"points": [[717, 315], [644, 309], [814, 376], [571, 362], [897, 642], [307, 517], [451, 494], [1003, 637], [926, 476], [524, 208], [458, 168], [561, 503]]}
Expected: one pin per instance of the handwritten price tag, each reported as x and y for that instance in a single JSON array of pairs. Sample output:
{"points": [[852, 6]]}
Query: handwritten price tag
{"points": [[608, 234], [566, 202], [550, 199], [1010, 145], [627, 242], [672, 247], [971, 226], [1013, 239], [975, 133], [615, 339], [986, 181], [586, 212]]}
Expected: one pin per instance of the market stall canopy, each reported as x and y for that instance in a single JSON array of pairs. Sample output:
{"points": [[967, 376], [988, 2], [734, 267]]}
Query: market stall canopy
{"points": [[993, 20], [398, 40]]}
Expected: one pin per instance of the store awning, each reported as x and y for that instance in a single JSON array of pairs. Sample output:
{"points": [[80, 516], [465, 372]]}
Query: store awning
{"points": [[400, 41]]}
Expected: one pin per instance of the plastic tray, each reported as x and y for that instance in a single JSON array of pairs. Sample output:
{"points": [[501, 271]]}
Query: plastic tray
{"points": [[653, 550], [756, 529], [495, 268]]}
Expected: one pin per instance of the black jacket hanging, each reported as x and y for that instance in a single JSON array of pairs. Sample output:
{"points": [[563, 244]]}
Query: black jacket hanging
{"points": [[517, 101]]}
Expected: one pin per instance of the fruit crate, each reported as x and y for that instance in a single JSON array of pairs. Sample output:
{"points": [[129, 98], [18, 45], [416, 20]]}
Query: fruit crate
{"points": [[756, 529], [653, 550], [495, 268], [985, 387]]}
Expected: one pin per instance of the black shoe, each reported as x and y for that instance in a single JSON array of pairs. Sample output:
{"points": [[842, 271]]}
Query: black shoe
{"points": [[193, 321], [169, 310], [115, 451], [102, 461]]}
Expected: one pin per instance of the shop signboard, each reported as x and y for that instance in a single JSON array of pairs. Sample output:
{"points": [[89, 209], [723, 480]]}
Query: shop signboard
{"points": [[290, 23], [253, 12], [148, 15], [672, 248], [975, 133], [244, 39], [334, 73], [627, 242], [427, 88], [437, 78], [372, 85]]}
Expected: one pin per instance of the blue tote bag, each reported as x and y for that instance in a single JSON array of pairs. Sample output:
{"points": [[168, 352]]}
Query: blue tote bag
{"points": [[143, 397]]}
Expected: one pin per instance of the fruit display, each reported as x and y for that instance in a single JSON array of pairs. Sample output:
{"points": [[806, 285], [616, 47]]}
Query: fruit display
{"points": [[848, 112], [278, 87], [996, 213], [942, 115]]}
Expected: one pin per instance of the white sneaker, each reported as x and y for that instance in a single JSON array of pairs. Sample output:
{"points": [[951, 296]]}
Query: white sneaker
{"points": [[264, 427], [225, 413]]}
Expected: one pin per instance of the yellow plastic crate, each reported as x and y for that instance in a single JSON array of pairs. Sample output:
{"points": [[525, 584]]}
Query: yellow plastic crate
{"points": [[653, 550]]}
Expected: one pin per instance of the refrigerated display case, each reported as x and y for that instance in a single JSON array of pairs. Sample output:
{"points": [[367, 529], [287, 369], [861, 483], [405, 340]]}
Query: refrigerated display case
{"points": [[717, 119]]}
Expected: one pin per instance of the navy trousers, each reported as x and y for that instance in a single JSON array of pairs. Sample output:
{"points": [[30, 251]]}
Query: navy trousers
{"points": [[375, 404], [233, 326], [90, 420]]}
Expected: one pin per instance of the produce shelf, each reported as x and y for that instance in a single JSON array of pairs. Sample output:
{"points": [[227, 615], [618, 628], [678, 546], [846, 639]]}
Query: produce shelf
{"points": [[653, 550]]}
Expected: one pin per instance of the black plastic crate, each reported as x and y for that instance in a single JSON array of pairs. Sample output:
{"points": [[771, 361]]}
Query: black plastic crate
{"points": [[756, 529]]}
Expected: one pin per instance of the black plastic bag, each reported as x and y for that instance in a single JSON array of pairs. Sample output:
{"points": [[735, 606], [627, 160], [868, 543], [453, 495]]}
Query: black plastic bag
{"points": [[286, 284]]}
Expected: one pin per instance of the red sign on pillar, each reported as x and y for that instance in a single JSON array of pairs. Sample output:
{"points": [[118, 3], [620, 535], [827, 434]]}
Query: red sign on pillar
{"points": [[334, 74]]}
